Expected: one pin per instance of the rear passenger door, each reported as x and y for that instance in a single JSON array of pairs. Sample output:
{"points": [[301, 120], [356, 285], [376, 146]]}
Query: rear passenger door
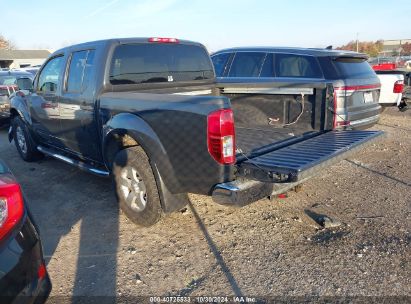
{"points": [[77, 119]]}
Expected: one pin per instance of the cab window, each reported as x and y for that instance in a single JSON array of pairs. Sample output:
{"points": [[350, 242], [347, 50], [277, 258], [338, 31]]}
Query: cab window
{"points": [[79, 73], [50, 75]]}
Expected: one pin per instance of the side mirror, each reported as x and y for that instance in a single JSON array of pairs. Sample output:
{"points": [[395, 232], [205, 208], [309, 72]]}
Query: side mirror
{"points": [[25, 83]]}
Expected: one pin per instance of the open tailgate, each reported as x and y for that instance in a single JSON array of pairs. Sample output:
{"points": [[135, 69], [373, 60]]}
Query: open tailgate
{"points": [[303, 159]]}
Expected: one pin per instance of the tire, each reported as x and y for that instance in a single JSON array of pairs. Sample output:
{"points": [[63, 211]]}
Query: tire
{"points": [[24, 142], [136, 187]]}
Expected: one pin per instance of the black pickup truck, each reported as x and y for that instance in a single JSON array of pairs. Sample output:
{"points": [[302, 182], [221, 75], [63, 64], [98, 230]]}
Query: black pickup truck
{"points": [[149, 113]]}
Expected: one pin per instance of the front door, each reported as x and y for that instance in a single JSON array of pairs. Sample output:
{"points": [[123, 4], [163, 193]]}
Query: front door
{"points": [[44, 101]]}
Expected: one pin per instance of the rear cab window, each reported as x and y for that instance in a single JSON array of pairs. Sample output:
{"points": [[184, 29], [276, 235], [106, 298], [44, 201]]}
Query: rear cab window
{"points": [[141, 63]]}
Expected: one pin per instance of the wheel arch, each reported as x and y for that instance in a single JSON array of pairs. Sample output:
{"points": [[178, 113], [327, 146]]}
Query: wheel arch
{"points": [[126, 130]]}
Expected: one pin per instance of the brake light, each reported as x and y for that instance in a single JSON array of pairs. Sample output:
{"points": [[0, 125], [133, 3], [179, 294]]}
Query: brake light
{"points": [[339, 101], [398, 86], [11, 206], [42, 271], [163, 40], [221, 136]]}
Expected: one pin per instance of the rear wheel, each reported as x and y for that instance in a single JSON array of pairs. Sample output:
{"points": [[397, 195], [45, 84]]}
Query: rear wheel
{"points": [[136, 188], [23, 141]]}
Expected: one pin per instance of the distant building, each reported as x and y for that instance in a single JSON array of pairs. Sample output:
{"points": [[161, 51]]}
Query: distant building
{"points": [[22, 58], [393, 47]]}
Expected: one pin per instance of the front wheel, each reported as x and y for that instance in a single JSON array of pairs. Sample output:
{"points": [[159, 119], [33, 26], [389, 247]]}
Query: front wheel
{"points": [[136, 188], [23, 141]]}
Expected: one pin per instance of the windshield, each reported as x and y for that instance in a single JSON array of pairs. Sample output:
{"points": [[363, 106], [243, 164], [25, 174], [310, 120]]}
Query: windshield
{"points": [[153, 63]]}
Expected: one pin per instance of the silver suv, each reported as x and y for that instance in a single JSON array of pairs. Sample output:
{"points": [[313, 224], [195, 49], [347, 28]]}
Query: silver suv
{"points": [[355, 86]]}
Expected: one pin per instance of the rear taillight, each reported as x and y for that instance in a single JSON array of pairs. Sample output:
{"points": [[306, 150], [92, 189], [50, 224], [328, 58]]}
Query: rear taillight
{"points": [[340, 94], [163, 40], [398, 86], [11, 206], [221, 136], [41, 271]]}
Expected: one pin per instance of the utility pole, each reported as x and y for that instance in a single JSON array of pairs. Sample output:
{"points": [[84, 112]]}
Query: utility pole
{"points": [[357, 42]]}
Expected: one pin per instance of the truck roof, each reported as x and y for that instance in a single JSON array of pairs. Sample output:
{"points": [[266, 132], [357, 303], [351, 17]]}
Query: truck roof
{"points": [[107, 42], [295, 50]]}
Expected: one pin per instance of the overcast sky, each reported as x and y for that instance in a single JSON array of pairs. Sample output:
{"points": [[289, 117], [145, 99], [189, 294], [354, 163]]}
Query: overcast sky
{"points": [[217, 24]]}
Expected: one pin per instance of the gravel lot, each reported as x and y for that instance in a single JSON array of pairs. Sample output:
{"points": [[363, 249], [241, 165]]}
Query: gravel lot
{"points": [[270, 248]]}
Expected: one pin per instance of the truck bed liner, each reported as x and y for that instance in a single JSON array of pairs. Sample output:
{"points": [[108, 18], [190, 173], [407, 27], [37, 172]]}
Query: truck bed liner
{"points": [[300, 160], [252, 140]]}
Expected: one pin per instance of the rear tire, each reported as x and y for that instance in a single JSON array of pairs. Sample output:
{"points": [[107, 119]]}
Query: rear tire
{"points": [[24, 142], [136, 188]]}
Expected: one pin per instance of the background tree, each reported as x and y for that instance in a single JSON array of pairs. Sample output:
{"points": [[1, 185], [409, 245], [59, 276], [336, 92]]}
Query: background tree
{"points": [[371, 48], [6, 44], [406, 49]]}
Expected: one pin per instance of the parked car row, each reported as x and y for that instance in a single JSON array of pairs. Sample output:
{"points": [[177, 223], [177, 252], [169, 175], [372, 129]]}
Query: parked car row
{"points": [[8, 87]]}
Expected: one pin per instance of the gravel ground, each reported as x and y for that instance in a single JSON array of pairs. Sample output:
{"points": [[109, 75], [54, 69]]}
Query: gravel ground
{"points": [[267, 249]]}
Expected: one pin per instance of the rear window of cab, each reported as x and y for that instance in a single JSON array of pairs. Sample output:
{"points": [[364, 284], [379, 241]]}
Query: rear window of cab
{"points": [[159, 62]]}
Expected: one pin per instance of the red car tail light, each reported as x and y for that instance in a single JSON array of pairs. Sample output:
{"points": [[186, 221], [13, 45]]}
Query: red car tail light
{"points": [[163, 40], [11, 206], [41, 271], [398, 86], [221, 136]]}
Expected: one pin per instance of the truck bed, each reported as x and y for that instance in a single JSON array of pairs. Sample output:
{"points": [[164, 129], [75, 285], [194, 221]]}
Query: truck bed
{"points": [[252, 140]]}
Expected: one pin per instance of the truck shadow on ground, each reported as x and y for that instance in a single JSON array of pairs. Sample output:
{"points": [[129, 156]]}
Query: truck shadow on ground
{"points": [[219, 258], [379, 173], [394, 127]]}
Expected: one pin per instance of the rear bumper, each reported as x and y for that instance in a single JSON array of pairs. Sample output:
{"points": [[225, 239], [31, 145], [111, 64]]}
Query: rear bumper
{"points": [[364, 117], [36, 292], [391, 101], [364, 123], [20, 259], [243, 192]]}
